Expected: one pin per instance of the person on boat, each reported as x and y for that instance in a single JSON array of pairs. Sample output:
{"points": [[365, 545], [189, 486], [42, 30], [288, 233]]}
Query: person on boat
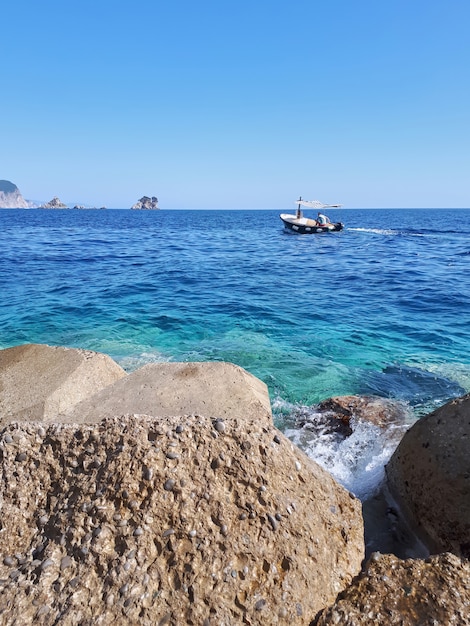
{"points": [[323, 220]]}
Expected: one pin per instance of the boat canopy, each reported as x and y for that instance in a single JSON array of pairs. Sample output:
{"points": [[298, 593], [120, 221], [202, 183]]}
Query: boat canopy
{"points": [[316, 204]]}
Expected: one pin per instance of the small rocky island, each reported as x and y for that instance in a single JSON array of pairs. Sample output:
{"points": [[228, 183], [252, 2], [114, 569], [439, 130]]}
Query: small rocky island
{"points": [[55, 203], [11, 198], [146, 203]]}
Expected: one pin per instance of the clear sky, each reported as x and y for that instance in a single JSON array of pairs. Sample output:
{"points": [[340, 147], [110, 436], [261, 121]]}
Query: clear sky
{"points": [[237, 104]]}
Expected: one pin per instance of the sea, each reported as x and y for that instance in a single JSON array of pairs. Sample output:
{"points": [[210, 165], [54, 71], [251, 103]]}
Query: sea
{"points": [[381, 308]]}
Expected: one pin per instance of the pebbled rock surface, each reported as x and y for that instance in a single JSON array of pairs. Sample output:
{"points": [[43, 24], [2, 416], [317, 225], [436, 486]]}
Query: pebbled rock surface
{"points": [[38, 381], [176, 520], [207, 388], [391, 592], [429, 474]]}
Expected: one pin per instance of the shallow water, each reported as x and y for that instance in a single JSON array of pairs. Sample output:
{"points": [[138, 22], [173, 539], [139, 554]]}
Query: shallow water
{"points": [[379, 308]]}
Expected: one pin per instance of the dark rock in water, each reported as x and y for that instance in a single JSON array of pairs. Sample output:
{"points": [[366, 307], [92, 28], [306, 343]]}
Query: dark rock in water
{"points": [[378, 411], [321, 421], [146, 203], [55, 203], [429, 474], [334, 416]]}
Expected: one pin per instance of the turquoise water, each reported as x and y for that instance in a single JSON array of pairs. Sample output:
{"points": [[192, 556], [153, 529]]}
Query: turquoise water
{"points": [[379, 308]]}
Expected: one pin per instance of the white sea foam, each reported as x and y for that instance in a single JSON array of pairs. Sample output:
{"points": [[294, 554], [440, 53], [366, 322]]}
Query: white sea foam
{"points": [[357, 461], [387, 231], [376, 231]]}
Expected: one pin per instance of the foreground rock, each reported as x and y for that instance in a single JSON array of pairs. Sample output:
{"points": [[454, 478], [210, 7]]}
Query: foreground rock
{"points": [[146, 203], [177, 520], [37, 382], [208, 388], [405, 593], [10, 196], [429, 474], [55, 203]]}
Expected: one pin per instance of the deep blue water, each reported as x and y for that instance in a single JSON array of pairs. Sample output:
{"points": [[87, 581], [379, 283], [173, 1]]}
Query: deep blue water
{"points": [[379, 308]]}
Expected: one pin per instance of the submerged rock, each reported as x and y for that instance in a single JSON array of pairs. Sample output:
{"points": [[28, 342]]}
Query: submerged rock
{"points": [[429, 474], [169, 520], [405, 593]]}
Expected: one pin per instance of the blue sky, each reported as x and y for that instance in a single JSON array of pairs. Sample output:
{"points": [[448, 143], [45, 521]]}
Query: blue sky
{"points": [[224, 104]]}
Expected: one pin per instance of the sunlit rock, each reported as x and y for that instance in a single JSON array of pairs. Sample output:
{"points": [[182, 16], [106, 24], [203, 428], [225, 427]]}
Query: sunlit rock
{"points": [[392, 592], [206, 388], [37, 382], [176, 520], [429, 474]]}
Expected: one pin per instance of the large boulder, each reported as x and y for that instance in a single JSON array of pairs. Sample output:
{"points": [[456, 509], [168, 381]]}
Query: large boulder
{"points": [[176, 520], [37, 382], [207, 388], [429, 474], [415, 592]]}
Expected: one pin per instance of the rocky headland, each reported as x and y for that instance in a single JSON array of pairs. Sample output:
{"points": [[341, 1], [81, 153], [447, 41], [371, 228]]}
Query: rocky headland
{"points": [[11, 198], [146, 203], [167, 496]]}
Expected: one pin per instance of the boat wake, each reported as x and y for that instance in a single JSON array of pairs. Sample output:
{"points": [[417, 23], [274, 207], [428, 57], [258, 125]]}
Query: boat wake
{"points": [[387, 231]]}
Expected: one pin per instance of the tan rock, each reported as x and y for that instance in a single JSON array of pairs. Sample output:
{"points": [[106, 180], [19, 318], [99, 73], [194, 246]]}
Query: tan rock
{"points": [[429, 474], [416, 592], [176, 520], [212, 388], [38, 381]]}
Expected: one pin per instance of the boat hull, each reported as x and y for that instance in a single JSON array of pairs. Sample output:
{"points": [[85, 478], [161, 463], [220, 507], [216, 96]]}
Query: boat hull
{"points": [[307, 226]]}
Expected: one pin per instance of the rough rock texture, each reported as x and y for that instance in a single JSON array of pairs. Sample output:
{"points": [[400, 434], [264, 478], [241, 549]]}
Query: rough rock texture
{"points": [[378, 411], [220, 389], [10, 196], [429, 474], [178, 520], [55, 203], [431, 592], [146, 203], [37, 381]]}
